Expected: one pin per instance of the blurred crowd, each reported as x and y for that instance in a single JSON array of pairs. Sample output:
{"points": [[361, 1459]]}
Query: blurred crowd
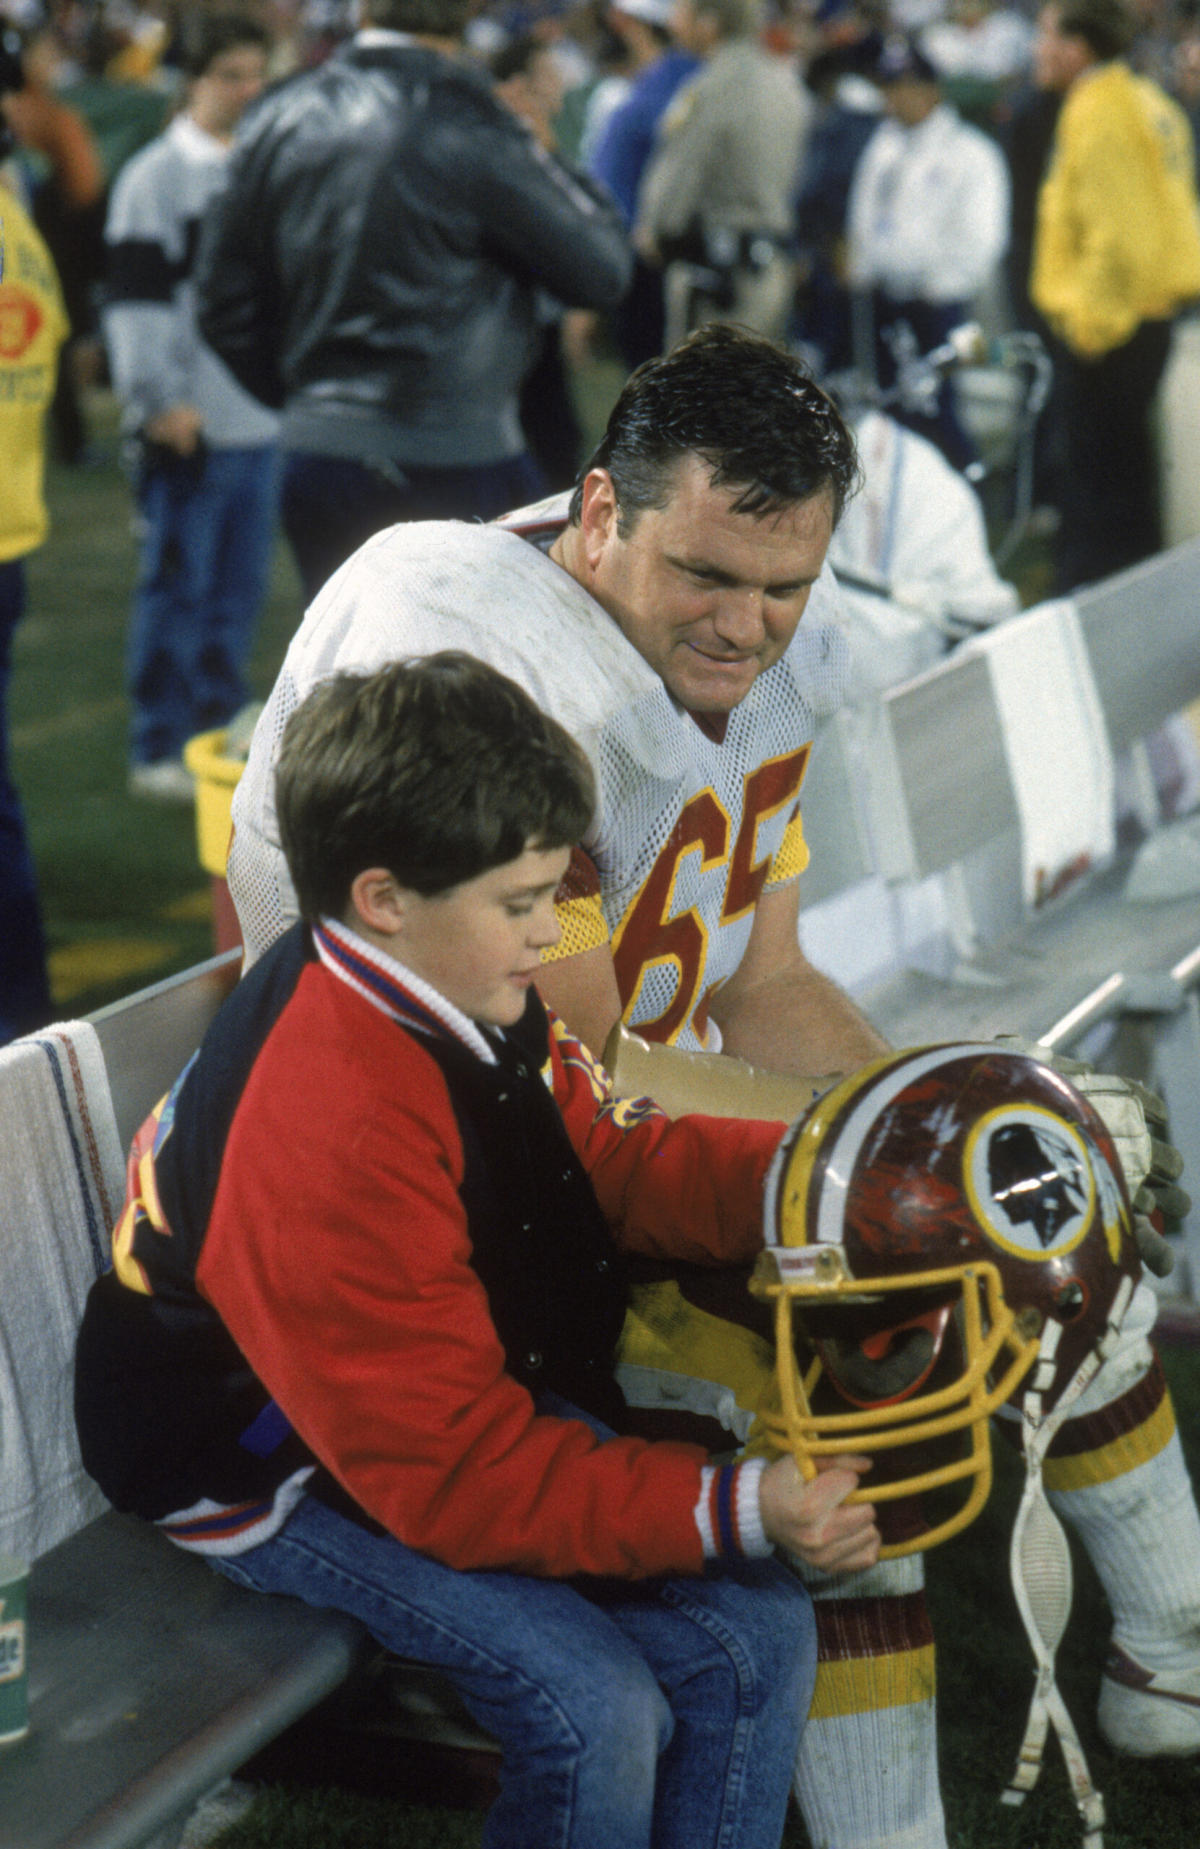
{"points": [[596, 81], [396, 330]]}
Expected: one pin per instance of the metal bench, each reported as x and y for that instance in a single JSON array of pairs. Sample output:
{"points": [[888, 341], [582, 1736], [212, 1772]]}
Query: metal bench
{"points": [[151, 1678], [917, 795]]}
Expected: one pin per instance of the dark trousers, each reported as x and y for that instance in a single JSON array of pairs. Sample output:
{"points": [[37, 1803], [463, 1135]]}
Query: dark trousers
{"points": [[548, 416], [333, 505], [1108, 494], [638, 321], [24, 990]]}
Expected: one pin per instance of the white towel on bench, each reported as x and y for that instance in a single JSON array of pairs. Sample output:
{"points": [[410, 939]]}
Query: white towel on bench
{"points": [[61, 1183], [1056, 743]]}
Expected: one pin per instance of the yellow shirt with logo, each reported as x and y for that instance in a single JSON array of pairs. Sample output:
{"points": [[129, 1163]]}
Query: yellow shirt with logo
{"points": [[33, 325], [1118, 225]]}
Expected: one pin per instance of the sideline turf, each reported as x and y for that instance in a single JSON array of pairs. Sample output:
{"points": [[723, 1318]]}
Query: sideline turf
{"points": [[124, 897]]}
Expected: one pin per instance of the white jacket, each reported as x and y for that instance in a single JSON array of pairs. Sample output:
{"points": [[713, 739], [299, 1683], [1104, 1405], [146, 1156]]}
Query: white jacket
{"points": [[929, 210]]}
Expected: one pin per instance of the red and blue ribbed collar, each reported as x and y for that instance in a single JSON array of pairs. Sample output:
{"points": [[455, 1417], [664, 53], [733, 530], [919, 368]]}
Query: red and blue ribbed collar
{"points": [[395, 990]]}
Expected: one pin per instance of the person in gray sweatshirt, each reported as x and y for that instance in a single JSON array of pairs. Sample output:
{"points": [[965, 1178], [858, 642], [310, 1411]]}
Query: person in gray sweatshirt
{"points": [[203, 451]]}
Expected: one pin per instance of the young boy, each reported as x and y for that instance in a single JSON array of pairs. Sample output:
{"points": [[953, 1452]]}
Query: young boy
{"points": [[357, 1344]]}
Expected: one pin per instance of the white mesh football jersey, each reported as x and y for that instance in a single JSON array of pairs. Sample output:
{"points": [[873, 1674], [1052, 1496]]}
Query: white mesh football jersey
{"points": [[687, 831]]}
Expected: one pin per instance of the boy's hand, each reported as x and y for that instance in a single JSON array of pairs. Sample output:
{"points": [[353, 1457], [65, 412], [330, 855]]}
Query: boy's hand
{"points": [[813, 1519]]}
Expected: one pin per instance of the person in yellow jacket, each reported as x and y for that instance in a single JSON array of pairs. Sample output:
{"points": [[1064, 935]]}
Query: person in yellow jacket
{"points": [[1116, 256], [33, 325]]}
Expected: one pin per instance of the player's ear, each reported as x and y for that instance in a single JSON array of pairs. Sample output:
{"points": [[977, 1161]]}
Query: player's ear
{"points": [[378, 901], [597, 514]]}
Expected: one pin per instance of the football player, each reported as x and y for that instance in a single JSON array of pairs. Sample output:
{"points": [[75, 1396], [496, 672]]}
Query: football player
{"points": [[677, 615]]}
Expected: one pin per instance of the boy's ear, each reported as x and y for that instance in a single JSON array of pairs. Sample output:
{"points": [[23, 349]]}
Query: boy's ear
{"points": [[377, 901]]}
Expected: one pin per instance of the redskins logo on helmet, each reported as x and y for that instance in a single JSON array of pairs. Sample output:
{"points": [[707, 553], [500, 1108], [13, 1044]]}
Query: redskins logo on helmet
{"points": [[946, 1230]]}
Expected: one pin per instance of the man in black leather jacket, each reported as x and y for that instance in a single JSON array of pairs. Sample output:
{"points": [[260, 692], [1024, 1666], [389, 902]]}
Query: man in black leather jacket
{"points": [[373, 271]]}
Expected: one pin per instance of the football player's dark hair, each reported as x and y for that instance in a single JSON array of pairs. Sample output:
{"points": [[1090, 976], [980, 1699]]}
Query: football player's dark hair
{"points": [[438, 768], [743, 404], [447, 19], [208, 36]]}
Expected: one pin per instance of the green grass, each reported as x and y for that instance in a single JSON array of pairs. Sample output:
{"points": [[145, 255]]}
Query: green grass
{"points": [[126, 902], [299, 1819], [124, 897]]}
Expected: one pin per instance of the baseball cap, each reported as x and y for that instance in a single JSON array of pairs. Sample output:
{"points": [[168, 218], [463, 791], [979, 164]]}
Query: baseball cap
{"points": [[902, 57]]}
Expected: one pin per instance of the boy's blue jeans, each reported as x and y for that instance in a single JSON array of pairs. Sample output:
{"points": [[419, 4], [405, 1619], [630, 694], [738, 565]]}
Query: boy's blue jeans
{"points": [[657, 1715]]}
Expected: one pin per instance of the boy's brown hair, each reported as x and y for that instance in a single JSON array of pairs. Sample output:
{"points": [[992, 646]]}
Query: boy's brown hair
{"points": [[438, 768]]}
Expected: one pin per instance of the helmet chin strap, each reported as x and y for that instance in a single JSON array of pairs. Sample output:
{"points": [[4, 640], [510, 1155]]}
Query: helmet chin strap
{"points": [[1040, 1562]]}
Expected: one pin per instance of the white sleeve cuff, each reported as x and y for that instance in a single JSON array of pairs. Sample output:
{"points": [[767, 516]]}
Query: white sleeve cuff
{"points": [[728, 1514]]}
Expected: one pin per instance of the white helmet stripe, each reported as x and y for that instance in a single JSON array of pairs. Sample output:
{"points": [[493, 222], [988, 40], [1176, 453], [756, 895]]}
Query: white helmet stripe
{"points": [[877, 1095]]}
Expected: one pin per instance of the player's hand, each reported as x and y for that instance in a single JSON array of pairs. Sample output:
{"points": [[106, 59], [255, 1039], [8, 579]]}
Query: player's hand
{"points": [[1153, 1249], [813, 1519], [1136, 1119]]}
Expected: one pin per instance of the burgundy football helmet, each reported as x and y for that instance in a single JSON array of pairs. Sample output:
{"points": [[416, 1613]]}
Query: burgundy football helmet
{"points": [[946, 1230]]}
